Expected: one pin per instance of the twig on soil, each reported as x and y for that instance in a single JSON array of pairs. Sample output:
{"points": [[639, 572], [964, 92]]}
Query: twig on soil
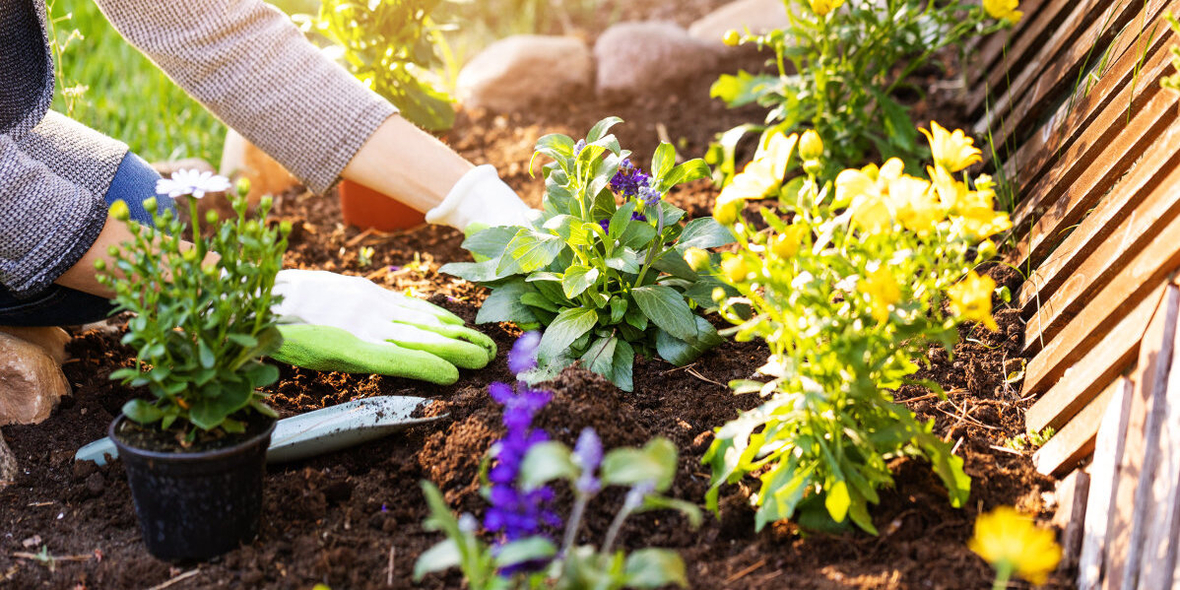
{"points": [[389, 570], [674, 369], [384, 270], [956, 391], [955, 448], [39, 504], [359, 238], [177, 579], [1007, 450], [745, 572], [769, 577], [965, 418], [697, 374]]}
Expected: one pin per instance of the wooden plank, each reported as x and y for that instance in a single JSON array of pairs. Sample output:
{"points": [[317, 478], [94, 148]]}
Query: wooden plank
{"points": [[1104, 477], [1138, 272], [1071, 514], [1011, 47], [1001, 48], [1076, 375], [1163, 522], [1052, 28], [1075, 441], [1063, 56], [1119, 222], [1125, 82], [1066, 283], [1125, 538]]}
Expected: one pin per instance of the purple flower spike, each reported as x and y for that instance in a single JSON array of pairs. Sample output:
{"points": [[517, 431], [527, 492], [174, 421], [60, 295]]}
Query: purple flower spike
{"points": [[629, 179], [578, 147], [523, 356], [649, 195], [588, 454]]}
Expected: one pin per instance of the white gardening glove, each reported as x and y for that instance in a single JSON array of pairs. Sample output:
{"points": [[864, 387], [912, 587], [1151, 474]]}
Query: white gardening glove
{"points": [[333, 322], [481, 197]]}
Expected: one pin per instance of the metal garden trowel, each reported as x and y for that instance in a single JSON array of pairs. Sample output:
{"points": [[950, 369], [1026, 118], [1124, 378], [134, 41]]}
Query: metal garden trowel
{"points": [[318, 432]]}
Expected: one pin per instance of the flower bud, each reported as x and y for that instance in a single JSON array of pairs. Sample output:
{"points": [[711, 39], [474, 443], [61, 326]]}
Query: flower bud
{"points": [[189, 255], [697, 258], [243, 186], [285, 227], [786, 244], [811, 147], [726, 212], [735, 269], [150, 205], [813, 167], [718, 294], [732, 38], [986, 250], [211, 217], [119, 210], [265, 202], [113, 251], [100, 265]]}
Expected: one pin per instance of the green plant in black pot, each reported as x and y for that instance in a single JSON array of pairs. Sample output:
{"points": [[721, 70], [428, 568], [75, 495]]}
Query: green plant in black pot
{"points": [[195, 452]]}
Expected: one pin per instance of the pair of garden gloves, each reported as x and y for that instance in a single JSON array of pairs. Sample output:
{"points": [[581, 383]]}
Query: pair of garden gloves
{"points": [[333, 322]]}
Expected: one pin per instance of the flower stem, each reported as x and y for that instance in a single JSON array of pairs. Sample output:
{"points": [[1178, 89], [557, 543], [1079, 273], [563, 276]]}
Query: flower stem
{"points": [[1003, 574]]}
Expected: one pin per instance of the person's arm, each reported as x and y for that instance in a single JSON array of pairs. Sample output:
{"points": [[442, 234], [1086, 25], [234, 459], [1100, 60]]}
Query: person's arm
{"points": [[407, 163]]}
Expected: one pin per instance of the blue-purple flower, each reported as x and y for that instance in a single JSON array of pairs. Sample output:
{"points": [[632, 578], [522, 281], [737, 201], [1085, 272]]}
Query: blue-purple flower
{"points": [[523, 356], [649, 195], [578, 147], [588, 455], [629, 179]]}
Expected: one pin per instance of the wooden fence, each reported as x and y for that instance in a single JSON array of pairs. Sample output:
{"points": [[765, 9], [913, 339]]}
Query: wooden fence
{"points": [[1071, 100]]}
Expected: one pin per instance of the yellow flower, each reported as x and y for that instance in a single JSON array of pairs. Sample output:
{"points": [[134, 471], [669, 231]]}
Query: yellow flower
{"points": [[971, 299], [867, 192], [823, 7], [735, 269], [732, 38], [1012, 543], [882, 291], [917, 207], [811, 146], [1004, 10], [953, 151], [978, 218]]}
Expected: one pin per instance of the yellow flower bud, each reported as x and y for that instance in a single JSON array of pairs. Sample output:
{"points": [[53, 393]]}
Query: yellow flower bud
{"points": [[697, 258], [285, 227], [986, 250], [119, 211], [726, 212], [150, 205], [823, 7], [786, 244], [735, 269], [211, 217], [811, 147], [243, 186], [732, 38]]}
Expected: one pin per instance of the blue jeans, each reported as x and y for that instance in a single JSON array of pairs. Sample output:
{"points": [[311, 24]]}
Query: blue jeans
{"points": [[61, 306]]}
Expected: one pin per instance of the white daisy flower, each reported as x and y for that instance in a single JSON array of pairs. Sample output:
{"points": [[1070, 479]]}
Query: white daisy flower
{"points": [[192, 182]]}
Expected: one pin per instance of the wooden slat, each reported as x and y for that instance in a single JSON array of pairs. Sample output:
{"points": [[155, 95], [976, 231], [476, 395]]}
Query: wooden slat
{"points": [[1051, 28], [1120, 221], [1078, 374], [1076, 278], [1011, 47], [991, 51], [1075, 441], [1071, 514], [1163, 524], [1155, 354], [1130, 79], [1016, 110], [1104, 477]]}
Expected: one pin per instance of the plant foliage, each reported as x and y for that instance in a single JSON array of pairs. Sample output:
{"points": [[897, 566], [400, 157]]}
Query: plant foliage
{"points": [[846, 284], [390, 45], [839, 66], [608, 280], [200, 327]]}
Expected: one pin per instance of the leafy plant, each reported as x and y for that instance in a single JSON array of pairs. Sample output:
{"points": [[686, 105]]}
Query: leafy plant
{"points": [[839, 66], [390, 45], [608, 280], [846, 284], [201, 325], [523, 555]]}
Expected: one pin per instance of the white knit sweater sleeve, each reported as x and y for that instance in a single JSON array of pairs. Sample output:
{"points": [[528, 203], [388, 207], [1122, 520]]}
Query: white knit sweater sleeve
{"points": [[247, 63]]}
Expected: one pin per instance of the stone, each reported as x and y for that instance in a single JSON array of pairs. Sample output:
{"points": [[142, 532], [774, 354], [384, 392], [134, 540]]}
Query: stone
{"points": [[51, 339], [756, 16], [7, 464], [523, 70], [649, 57], [31, 382], [242, 159]]}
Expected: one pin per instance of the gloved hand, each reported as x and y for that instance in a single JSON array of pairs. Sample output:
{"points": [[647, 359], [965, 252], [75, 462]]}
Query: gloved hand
{"points": [[333, 322], [480, 197]]}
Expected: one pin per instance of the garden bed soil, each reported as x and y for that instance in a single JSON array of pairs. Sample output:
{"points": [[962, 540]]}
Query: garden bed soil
{"points": [[353, 519]]}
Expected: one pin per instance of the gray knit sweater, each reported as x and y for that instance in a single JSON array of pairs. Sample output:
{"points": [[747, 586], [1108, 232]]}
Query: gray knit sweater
{"points": [[240, 58]]}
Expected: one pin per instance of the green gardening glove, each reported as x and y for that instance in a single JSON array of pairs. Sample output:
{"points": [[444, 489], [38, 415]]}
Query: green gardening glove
{"points": [[334, 322]]}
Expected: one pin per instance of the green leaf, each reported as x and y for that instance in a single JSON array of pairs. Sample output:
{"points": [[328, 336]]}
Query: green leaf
{"points": [[599, 130], [504, 304], [622, 366], [626, 261], [618, 307], [531, 250], [491, 242], [443, 556], [742, 89], [620, 219], [666, 307], [569, 325], [680, 352], [704, 232], [539, 301], [652, 568], [546, 462], [637, 235], [689, 171], [525, 550], [600, 357], [673, 263], [142, 411], [688, 509], [663, 160], [482, 272], [577, 279], [628, 466]]}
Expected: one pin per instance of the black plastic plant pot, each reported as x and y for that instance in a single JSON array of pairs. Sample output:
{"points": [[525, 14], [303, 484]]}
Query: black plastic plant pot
{"points": [[195, 506]]}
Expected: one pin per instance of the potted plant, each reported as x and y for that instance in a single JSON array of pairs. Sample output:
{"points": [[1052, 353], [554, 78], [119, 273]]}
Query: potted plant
{"points": [[195, 454], [390, 45]]}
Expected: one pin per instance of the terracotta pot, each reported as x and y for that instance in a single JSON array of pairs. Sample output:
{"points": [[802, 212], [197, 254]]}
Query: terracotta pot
{"points": [[366, 208]]}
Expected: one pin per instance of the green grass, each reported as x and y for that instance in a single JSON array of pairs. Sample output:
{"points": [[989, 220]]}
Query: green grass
{"points": [[125, 96]]}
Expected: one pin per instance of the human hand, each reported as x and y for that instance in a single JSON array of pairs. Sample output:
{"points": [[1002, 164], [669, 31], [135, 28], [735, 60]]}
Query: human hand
{"points": [[480, 197], [333, 322]]}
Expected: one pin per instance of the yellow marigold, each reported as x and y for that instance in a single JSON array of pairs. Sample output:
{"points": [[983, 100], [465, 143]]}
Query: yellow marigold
{"points": [[1012, 543], [971, 299], [953, 151], [1004, 10], [823, 7], [882, 291], [978, 217], [918, 209], [867, 192]]}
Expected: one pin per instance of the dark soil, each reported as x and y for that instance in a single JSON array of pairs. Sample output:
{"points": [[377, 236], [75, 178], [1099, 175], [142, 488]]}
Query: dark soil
{"points": [[353, 519]]}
